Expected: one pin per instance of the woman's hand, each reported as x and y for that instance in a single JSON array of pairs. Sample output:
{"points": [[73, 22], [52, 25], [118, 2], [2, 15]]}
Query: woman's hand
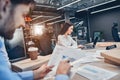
{"points": [[80, 46]]}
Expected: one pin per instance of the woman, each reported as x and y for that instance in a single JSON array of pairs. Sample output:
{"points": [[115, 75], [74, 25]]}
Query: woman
{"points": [[64, 37]]}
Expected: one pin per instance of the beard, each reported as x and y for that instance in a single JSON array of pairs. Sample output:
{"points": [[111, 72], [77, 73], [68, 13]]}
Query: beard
{"points": [[7, 35], [7, 27], [7, 31]]}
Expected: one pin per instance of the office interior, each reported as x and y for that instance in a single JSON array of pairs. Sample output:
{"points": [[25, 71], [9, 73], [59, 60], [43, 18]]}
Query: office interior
{"points": [[90, 18]]}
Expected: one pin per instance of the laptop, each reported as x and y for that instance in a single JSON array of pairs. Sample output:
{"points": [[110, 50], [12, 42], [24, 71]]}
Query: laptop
{"points": [[91, 46], [16, 47]]}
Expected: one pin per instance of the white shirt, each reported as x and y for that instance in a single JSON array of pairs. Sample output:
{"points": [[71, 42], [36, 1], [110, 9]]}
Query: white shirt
{"points": [[66, 41]]}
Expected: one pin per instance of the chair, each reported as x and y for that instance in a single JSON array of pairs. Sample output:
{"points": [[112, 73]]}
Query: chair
{"points": [[115, 34]]}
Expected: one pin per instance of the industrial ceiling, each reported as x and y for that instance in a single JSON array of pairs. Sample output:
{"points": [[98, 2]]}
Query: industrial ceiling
{"points": [[53, 10]]}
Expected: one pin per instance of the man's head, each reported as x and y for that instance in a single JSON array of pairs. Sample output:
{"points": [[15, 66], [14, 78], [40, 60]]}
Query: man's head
{"points": [[12, 14]]}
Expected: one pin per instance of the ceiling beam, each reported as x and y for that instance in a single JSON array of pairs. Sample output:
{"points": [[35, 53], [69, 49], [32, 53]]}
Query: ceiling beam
{"points": [[105, 9], [42, 16], [96, 5], [68, 4], [59, 21], [49, 20], [45, 13], [44, 5], [35, 12]]}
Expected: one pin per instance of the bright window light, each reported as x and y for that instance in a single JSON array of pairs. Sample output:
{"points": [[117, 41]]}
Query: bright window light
{"points": [[38, 30]]}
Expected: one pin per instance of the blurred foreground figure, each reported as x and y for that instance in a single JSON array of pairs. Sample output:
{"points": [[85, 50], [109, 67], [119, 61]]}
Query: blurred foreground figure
{"points": [[12, 14]]}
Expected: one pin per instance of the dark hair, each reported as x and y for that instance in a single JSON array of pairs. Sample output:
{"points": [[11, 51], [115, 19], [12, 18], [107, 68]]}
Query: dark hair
{"points": [[65, 28], [15, 2]]}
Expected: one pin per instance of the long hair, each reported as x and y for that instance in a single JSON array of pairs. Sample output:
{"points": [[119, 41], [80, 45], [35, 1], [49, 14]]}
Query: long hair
{"points": [[65, 28]]}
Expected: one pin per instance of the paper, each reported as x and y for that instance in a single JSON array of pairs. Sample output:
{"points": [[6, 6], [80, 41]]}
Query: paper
{"points": [[98, 53], [86, 59], [62, 53], [95, 73], [76, 57]]}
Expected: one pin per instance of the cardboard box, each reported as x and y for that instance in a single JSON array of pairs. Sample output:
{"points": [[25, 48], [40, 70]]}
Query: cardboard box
{"points": [[112, 57]]}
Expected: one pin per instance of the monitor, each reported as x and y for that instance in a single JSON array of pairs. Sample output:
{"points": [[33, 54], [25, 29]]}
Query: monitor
{"points": [[16, 47], [98, 34]]}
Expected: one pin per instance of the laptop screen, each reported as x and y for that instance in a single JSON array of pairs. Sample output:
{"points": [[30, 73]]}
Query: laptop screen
{"points": [[16, 47]]}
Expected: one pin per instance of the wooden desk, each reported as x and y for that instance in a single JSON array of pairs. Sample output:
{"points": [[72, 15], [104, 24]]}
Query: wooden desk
{"points": [[28, 64], [101, 63]]}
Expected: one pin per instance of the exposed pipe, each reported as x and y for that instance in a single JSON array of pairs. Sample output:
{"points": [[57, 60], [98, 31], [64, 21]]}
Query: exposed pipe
{"points": [[105, 9], [68, 4], [59, 21], [40, 17], [50, 19], [47, 6], [96, 5]]}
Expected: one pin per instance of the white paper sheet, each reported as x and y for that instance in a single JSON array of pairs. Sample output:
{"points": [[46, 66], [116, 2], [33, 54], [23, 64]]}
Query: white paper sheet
{"points": [[98, 53], [95, 73], [76, 57], [62, 53]]}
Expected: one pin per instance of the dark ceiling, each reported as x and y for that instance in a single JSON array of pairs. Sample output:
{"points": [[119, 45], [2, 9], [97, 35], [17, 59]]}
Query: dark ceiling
{"points": [[47, 11]]}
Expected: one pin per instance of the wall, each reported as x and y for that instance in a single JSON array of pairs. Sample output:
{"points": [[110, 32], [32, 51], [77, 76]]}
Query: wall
{"points": [[103, 21]]}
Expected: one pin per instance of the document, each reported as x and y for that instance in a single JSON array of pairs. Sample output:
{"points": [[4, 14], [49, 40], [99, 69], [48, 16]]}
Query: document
{"points": [[95, 73], [62, 53], [76, 57], [86, 59]]}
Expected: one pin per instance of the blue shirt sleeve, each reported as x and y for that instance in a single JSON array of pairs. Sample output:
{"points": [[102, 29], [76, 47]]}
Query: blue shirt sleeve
{"points": [[27, 75], [61, 77], [7, 74]]}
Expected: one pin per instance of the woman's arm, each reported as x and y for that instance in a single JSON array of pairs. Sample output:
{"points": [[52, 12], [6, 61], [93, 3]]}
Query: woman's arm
{"points": [[61, 41], [74, 44]]}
